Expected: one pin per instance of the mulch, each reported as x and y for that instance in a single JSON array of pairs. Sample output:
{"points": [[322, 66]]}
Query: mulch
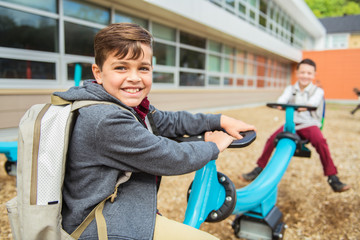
{"points": [[311, 209]]}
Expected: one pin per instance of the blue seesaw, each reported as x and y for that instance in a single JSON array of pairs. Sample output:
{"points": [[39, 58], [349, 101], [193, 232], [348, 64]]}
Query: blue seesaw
{"points": [[212, 196]]}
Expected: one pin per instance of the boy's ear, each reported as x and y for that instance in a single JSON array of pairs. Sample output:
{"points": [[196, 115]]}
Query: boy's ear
{"points": [[97, 73]]}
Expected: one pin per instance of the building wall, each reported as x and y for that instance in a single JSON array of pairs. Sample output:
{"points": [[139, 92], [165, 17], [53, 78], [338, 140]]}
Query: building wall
{"points": [[213, 45], [13, 105], [338, 72], [354, 41]]}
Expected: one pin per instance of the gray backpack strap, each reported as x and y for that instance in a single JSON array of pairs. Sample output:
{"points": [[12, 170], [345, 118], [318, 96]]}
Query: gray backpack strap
{"points": [[97, 211]]}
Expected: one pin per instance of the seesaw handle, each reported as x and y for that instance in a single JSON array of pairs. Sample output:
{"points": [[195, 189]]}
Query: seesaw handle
{"points": [[248, 138], [295, 106]]}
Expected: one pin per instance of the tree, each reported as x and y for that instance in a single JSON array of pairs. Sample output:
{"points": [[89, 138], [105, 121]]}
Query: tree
{"points": [[334, 8]]}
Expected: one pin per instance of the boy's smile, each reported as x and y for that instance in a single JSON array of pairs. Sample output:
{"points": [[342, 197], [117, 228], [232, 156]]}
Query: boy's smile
{"points": [[129, 80]]}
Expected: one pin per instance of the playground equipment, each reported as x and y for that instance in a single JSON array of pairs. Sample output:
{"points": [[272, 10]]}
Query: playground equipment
{"points": [[357, 92], [212, 196]]}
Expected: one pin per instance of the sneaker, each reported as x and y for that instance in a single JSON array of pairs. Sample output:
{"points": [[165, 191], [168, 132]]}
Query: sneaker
{"points": [[336, 185], [252, 175]]}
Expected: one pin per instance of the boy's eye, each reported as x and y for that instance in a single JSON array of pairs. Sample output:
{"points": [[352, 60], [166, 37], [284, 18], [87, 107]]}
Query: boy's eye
{"points": [[144, 69], [121, 68]]}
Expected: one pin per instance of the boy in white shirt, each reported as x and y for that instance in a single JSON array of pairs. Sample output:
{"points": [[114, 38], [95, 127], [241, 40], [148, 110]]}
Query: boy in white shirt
{"points": [[303, 92]]}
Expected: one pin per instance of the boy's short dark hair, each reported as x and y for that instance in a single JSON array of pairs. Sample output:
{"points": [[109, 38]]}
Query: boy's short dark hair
{"points": [[307, 61], [120, 38]]}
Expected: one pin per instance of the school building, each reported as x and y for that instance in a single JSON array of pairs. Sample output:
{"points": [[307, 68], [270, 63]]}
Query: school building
{"points": [[223, 50]]}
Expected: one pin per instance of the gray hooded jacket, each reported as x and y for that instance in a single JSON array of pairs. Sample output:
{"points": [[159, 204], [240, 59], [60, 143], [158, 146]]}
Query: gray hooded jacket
{"points": [[108, 141]]}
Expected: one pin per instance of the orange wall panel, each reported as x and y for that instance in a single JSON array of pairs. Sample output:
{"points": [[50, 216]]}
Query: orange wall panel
{"points": [[338, 72]]}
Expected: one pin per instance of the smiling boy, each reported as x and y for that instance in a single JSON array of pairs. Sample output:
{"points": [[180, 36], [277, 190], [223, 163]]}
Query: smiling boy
{"points": [[304, 92], [107, 142]]}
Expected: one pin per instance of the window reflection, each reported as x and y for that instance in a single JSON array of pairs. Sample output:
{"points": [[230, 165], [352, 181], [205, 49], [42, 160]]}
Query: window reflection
{"points": [[192, 59], [214, 63], [47, 5], [163, 77], [27, 31], [260, 83], [192, 79], [79, 39], [165, 54], [86, 11], [240, 82], [163, 32], [214, 80], [228, 65], [240, 67], [86, 72], [192, 40], [214, 46], [24, 69], [228, 81], [123, 17]]}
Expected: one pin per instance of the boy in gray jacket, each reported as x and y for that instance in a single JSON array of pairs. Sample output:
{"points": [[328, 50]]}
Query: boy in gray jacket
{"points": [[108, 141]]}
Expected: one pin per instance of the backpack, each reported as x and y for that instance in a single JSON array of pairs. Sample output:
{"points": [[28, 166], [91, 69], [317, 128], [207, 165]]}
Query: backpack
{"points": [[44, 134], [319, 113]]}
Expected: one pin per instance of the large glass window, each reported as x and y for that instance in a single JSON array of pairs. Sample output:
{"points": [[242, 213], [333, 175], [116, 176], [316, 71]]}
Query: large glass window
{"points": [[260, 83], [242, 9], [214, 46], [228, 50], [337, 41], [266, 14], [192, 79], [163, 77], [262, 13], [228, 81], [228, 60], [261, 66], [240, 67], [213, 80], [28, 31], [240, 82], [250, 65], [47, 5], [163, 32], [79, 39], [192, 40], [24, 69], [192, 59], [228, 65], [164, 54], [240, 62], [214, 63], [86, 11], [123, 17], [86, 72]]}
